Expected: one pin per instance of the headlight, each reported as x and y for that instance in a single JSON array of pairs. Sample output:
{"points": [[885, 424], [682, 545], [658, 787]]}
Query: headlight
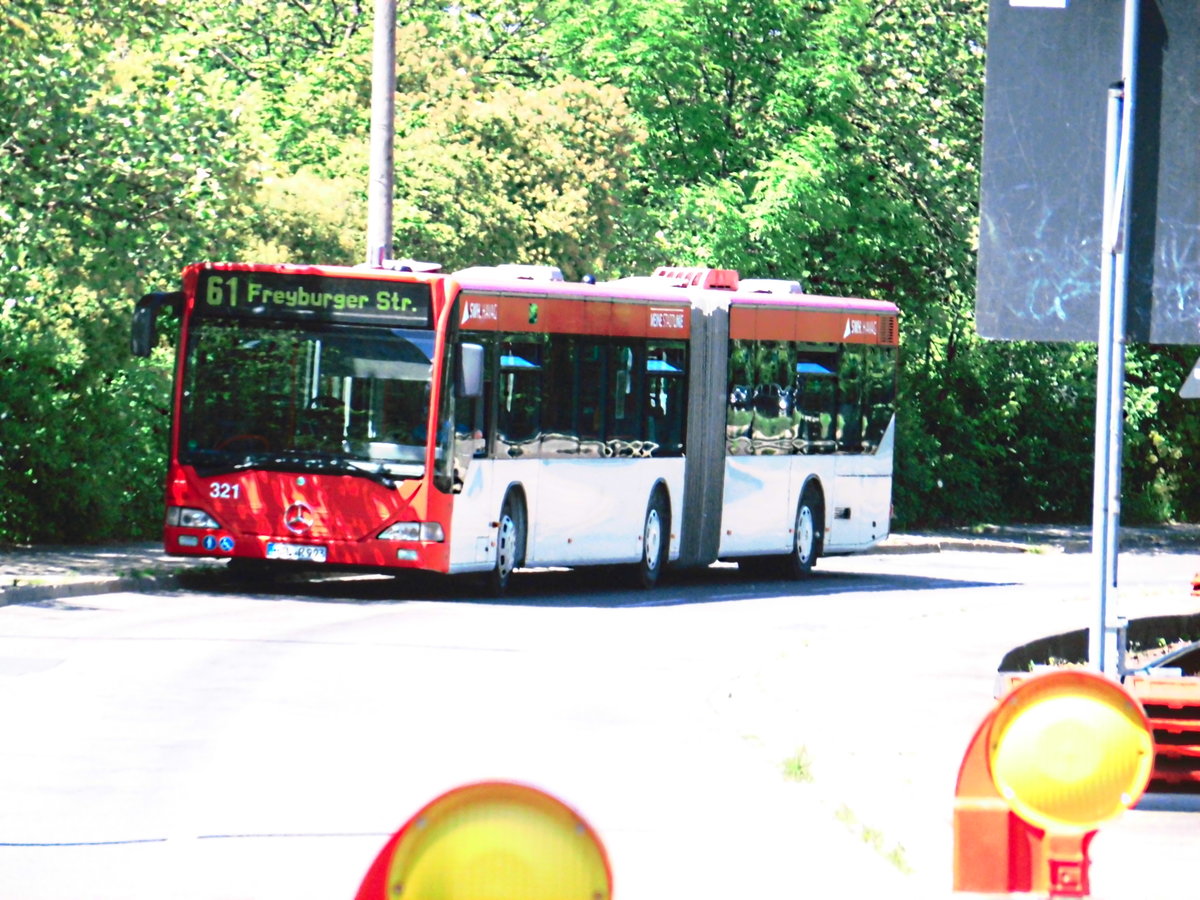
{"points": [[185, 517], [413, 531]]}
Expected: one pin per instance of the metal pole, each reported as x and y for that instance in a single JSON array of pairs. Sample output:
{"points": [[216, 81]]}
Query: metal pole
{"points": [[383, 130], [1104, 517], [1103, 652]]}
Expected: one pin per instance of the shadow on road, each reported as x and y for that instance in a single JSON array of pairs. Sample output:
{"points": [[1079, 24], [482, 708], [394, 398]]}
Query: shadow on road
{"points": [[607, 587]]}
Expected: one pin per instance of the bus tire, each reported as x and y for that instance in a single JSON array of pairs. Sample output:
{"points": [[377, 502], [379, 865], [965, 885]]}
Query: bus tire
{"points": [[656, 540], [510, 545], [808, 537]]}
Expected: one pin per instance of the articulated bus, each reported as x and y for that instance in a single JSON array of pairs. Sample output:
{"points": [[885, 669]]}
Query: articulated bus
{"points": [[500, 417]]}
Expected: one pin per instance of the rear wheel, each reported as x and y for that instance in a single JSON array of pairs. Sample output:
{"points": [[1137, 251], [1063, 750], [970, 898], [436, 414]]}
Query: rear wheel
{"points": [[510, 546], [656, 540], [808, 537]]}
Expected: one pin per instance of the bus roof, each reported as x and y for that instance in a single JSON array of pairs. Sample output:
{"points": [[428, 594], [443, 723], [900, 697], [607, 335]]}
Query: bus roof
{"points": [[656, 289]]}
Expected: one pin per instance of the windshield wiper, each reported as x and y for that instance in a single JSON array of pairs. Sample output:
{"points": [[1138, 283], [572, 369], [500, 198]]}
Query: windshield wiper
{"points": [[315, 461], [308, 461], [378, 474]]}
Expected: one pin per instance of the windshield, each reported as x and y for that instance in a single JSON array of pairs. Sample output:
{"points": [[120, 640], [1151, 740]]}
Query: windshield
{"points": [[352, 400]]}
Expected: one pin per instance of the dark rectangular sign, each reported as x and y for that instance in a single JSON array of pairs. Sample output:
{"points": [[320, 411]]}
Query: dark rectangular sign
{"points": [[1049, 69], [371, 301]]}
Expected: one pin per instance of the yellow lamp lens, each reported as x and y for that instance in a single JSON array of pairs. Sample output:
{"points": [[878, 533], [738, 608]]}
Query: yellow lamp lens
{"points": [[498, 841], [1069, 750]]}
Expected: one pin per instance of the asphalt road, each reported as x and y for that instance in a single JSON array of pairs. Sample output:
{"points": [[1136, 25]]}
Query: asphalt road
{"points": [[209, 743]]}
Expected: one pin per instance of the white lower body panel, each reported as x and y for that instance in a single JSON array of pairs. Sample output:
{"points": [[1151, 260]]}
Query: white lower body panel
{"points": [[578, 512], [762, 494]]}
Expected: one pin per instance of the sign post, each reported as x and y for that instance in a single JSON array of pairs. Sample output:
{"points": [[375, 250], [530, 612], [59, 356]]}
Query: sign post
{"points": [[1103, 653], [1056, 199]]}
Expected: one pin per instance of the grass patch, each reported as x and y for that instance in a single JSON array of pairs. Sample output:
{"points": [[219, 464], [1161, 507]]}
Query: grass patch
{"points": [[798, 767], [142, 572], [874, 838]]}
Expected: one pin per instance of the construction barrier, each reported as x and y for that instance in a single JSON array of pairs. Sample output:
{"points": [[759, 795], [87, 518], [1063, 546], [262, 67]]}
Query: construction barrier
{"points": [[494, 840], [1172, 705], [1060, 754]]}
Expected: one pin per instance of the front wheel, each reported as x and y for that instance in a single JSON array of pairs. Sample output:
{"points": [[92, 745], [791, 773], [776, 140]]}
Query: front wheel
{"points": [[808, 537], [656, 539], [510, 546]]}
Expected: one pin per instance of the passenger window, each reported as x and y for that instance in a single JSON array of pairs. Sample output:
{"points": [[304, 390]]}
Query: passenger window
{"points": [[626, 423], [666, 401], [518, 412], [560, 433], [592, 378], [772, 429], [816, 397], [739, 413]]}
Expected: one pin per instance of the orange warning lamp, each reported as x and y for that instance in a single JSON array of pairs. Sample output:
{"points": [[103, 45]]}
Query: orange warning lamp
{"points": [[493, 840], [1057, 757]]}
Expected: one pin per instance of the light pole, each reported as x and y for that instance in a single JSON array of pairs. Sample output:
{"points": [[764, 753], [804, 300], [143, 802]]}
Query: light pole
{"points": [[383, 131]]}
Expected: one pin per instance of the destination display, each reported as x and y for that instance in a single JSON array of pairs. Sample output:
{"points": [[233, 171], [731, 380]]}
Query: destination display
{"points": [[254, 294]]}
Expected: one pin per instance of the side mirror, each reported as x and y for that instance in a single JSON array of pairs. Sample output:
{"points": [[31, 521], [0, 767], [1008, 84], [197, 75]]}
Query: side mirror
{"points": [[145, 316], [470, 371]]}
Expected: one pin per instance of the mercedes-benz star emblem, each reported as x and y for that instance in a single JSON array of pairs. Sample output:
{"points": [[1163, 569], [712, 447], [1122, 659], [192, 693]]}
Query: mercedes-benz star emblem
{"points": [[298, 518]]}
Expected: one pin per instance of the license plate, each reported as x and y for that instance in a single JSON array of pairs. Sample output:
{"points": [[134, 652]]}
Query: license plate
{"points": [[296, 552]]}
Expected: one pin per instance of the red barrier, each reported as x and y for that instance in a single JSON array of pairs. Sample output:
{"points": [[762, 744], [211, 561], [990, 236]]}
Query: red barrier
{"points": [[1172, 705]]}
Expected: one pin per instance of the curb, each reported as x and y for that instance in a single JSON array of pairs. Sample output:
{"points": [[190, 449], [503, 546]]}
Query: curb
{"points": [[89, 587], [942, 545]]}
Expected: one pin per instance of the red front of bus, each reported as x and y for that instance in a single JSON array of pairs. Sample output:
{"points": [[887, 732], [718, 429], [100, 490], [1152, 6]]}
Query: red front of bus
{"points": [[307, 410]]}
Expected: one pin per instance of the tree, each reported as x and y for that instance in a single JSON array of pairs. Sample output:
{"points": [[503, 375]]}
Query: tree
{"points": [[98, 196], [490, 174]]}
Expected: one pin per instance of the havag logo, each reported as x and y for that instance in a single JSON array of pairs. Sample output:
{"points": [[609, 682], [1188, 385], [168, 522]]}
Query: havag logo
{"points": [[861, 326]]}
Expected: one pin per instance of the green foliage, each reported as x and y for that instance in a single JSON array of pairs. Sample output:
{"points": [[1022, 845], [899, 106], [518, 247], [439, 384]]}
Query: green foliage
{"points": [[1161, 481], [512, 175], [114, 171], [82, 441]]}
